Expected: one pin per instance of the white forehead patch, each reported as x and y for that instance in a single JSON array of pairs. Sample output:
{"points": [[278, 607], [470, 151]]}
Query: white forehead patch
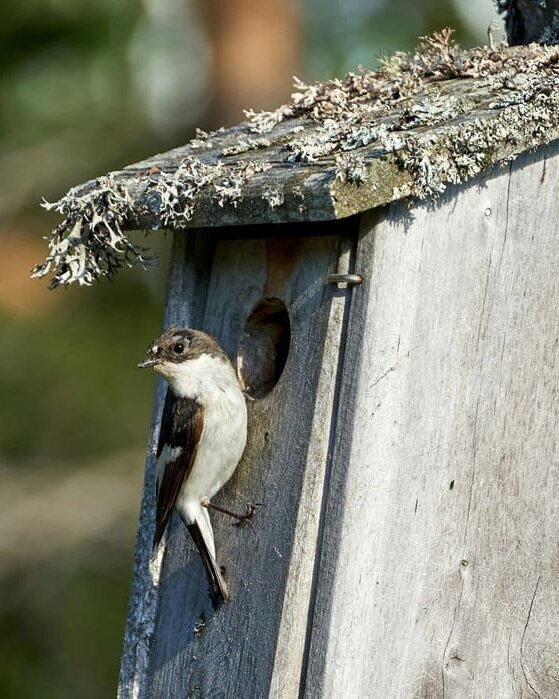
{"points": [[155, 349]]}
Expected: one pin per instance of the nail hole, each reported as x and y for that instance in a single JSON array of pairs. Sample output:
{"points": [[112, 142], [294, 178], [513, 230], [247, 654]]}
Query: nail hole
{"points": [[451, 486], [199, 626], [264, 347]]}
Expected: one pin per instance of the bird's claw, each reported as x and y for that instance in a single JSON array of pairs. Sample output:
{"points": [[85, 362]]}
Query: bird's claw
{"points": [[248, 514]]}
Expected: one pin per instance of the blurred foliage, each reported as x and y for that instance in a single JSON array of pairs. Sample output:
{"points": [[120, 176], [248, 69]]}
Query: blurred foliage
{"points": [[71, 106], [63, 638], [86, 87], [71, 394], [64, 66], [343, 35], [74, 374]]}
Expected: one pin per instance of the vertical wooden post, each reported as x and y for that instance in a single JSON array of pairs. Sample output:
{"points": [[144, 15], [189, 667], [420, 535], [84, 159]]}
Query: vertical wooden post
{"points": [[406, 459], [527, 21], [439, 566], [176, 644], [186, 296]]}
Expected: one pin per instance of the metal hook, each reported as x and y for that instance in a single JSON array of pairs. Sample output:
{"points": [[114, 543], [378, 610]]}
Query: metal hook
{"points": [[349, 279]]}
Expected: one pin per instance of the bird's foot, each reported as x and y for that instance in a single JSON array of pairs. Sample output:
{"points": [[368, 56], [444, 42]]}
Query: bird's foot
{"points": [[245, 518]]}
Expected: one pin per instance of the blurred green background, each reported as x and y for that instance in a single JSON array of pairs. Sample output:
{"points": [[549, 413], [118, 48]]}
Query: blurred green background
{"points": [[85, 88]]}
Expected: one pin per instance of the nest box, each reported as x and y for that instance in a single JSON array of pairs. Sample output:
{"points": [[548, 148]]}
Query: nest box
{"points": [[379, 257]]}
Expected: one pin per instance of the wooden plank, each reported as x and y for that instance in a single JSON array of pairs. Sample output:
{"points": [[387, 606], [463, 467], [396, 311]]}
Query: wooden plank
{"points": [[420, 122], [406, 153], [439, 567], [186, 293], [258, 638], [299, 590], [423, 120]]}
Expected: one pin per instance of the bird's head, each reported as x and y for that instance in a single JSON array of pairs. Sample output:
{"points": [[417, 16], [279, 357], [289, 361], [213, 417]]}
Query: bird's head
{"points": [[177, 346]]}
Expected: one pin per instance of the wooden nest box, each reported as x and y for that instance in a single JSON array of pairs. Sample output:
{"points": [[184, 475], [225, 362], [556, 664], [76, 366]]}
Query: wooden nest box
{"points": [[380, 257]]}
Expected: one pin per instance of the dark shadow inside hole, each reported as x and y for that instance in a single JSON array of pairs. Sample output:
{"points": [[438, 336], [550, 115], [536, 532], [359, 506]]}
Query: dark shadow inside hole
{"points": [[264, 347]]}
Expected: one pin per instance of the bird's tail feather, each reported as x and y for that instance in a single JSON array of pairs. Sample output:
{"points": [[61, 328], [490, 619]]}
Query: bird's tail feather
{"points": [[202, 534]]}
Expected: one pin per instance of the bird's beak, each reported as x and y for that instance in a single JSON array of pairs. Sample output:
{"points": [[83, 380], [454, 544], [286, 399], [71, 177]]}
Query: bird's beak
{"points": [[148, 362]]}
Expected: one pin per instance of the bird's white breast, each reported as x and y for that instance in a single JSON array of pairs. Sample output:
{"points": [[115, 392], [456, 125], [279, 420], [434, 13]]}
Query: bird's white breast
{"points": [[212, 382]]}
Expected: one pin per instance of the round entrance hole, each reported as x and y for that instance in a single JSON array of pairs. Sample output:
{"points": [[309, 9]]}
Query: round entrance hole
{"points": [[263, 347]]}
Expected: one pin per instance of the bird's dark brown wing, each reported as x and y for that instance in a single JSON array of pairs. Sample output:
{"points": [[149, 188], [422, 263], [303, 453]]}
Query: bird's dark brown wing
{"points": [[181, 430]]}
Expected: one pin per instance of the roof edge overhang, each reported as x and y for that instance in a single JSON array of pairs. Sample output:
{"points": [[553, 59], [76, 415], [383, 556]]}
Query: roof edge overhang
{"points": [[411, 128]]}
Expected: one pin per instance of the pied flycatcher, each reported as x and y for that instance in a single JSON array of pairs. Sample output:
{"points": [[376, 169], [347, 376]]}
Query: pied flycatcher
{"points": [[202, 438]]}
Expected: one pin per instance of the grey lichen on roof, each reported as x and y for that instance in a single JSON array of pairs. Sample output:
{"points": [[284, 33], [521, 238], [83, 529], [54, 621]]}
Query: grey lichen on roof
{"points": [[420, 121]]}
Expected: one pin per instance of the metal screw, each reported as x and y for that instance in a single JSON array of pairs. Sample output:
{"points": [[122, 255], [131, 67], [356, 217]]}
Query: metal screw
{"points": [[349, 279]]}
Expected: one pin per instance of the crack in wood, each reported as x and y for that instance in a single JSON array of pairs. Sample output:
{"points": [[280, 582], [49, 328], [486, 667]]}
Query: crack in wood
{"points": [[383, 376], [524, 636], [454, 620]]}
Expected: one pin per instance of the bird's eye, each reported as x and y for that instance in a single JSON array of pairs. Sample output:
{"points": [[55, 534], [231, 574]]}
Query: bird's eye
{"points": [[178, 348]]}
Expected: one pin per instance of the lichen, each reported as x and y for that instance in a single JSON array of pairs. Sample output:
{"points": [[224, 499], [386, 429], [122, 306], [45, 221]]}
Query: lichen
{"points": [[436, 116], [246, 144], [177, 190], [90, 244], [274, 196], [351, 167]]}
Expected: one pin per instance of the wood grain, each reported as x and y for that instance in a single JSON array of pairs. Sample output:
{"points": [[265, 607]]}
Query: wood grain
{"points": [[258, 638], [406, 458], [186, 294], [439, 568], [501, 117]]}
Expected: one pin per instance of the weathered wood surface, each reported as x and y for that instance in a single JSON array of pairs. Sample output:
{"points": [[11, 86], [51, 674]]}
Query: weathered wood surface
{"points": [[175, 644], [439, 567], [503, 100], [186, 296], [528, 21], [408, 547], [440, 115]]}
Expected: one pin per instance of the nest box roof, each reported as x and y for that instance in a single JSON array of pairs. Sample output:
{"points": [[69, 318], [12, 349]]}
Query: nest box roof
{"points": [[419, 122]]}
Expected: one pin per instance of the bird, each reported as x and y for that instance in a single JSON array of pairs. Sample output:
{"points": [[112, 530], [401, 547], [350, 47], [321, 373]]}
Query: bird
{"points": [[202, 438]]}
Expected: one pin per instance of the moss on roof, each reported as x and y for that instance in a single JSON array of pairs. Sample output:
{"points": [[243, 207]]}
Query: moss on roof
{"points": [[420, 121]]}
